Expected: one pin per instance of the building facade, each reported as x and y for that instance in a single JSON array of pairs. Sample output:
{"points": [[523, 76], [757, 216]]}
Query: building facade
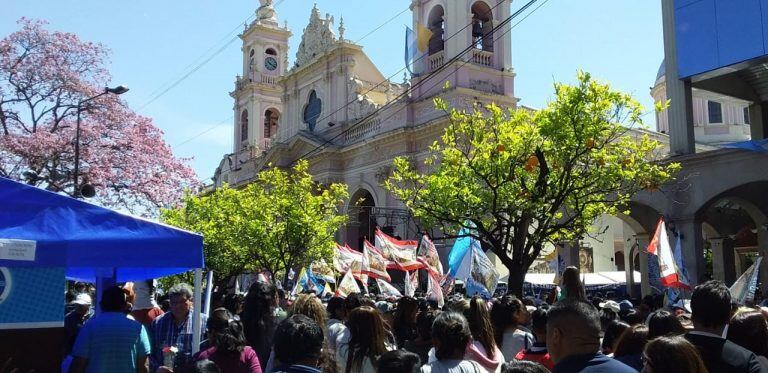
{"points": [[335, 108]]}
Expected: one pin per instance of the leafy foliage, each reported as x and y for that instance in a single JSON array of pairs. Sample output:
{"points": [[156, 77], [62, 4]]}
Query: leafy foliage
{"points": [[282, 220], [521, 179], [44, 77]]}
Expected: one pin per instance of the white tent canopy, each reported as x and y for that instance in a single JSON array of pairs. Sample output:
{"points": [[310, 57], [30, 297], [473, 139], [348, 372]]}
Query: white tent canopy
{"points": [[597, 278]]}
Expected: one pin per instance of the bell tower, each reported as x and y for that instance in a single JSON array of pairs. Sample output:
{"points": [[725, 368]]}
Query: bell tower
{"points": [[258, 94], [454, 26]]}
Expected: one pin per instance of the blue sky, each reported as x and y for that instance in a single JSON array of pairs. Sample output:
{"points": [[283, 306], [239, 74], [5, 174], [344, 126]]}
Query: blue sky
{"points": [[154, 43]]}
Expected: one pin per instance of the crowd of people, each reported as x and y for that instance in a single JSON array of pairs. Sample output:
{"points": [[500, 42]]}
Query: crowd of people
{"points": [[266, 332]]}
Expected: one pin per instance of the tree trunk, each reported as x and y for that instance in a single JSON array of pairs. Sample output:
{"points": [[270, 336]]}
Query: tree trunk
{"points": [[516, 279]]}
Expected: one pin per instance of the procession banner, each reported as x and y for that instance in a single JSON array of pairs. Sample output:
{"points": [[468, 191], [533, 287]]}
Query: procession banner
{"points": [[374, 264], [427, 255], [387, 289], [400, 254], [347, 286]]}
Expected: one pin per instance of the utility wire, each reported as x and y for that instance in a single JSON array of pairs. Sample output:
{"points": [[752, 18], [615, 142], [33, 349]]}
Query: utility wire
{"points": [[237, 28], [387, 79], [228, 41], [427, 77]]}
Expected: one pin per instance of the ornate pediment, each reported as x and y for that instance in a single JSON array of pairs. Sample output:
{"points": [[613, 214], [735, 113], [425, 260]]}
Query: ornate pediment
{"points": [[317, 39]]}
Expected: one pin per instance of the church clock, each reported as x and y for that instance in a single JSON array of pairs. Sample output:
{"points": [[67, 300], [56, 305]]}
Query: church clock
{"points": [[270, 63]]}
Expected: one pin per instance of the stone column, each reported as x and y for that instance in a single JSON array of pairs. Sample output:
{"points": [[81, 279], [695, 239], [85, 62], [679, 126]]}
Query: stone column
{"points": [[723, 265], [642, 243], [629, 270], [680, 111], [693, 247], [758, 120]]}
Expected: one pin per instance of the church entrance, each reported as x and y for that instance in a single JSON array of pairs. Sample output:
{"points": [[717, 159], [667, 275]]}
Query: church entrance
{"points": [[361, 225]]}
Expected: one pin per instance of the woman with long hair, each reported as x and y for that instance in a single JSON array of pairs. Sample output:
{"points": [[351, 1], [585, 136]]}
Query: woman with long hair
{"points": [[507, 313], [672, 354], [749, 329], [228, 346], [571, 286], [404, 324], [367, 341], [309, 305], [483, 348], [451, 335], [629, 347], [259, 318]]}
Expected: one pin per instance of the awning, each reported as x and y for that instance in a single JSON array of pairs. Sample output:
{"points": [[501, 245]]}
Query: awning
{"points": [[88, 240]]}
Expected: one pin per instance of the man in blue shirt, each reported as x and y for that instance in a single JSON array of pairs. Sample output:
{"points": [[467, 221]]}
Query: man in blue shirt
{"points": [[111, 342], [573, 340], [174, 329]]}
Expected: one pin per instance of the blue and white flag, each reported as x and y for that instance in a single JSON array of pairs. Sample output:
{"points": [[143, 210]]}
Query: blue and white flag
{"points": [[458, 253]]}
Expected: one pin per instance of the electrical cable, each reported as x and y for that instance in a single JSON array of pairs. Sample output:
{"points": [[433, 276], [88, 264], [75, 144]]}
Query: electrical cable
{"points": [[429, 76]]}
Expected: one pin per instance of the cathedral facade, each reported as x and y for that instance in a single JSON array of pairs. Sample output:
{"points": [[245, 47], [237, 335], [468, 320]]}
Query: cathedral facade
{"points": [[334, 107]]}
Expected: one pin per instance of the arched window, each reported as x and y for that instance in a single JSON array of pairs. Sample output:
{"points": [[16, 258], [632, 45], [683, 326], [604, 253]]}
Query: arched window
{"points": [[271, 117], [251, 60], [312, 110], [270, 60], [436, 24], [244, 126], [482, 26]]}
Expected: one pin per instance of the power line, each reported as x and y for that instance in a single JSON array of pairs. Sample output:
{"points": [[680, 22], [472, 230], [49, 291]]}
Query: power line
{"points": [[387, 79], [429, 76], [347, 104], [206, 131], [276, 4], [155, 95]]}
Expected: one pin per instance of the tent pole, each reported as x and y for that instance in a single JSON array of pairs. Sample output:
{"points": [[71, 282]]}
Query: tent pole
{"points": [[196, 326], [208, 290]]}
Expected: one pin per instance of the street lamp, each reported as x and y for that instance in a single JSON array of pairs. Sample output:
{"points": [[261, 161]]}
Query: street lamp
{"points": [[119, 90]]}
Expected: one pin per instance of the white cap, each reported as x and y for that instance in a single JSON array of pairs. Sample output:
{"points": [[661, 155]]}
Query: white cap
{"points": [[611, 305], [82, 299]]}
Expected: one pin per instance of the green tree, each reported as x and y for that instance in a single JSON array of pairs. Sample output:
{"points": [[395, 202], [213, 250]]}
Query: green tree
{"points": [[520, 179], [282, 220]]}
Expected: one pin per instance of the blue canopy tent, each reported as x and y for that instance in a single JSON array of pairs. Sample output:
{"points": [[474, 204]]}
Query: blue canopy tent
{"points": [[92, 241], [42, 229]]}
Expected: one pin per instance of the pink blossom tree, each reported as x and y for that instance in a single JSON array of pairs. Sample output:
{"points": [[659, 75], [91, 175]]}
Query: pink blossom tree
{"points": [[44, 76]]}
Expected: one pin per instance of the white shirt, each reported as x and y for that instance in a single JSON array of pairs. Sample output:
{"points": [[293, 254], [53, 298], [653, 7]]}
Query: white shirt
{"points": [[335, 329], [451, 366], [513, 341]]}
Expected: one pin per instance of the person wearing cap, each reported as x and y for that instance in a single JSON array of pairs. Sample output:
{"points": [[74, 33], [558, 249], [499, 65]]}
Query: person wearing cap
{"points": [[111, 342], [74, 320]]}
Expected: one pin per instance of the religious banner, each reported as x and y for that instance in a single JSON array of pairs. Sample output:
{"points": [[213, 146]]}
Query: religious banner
{"points": [[483, 271], [322, 270], [374, 264], [434, 291], [387, 289], [400, 254], [427, 255], [743, 290], [347, 286], [411, 283], [345, 259]]}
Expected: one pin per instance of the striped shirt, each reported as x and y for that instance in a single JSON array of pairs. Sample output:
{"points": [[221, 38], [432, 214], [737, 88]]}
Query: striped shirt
{"points": [[165, 333]]}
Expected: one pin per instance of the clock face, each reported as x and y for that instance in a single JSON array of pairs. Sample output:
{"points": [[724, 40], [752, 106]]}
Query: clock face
{"points": [[270, 63]]}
